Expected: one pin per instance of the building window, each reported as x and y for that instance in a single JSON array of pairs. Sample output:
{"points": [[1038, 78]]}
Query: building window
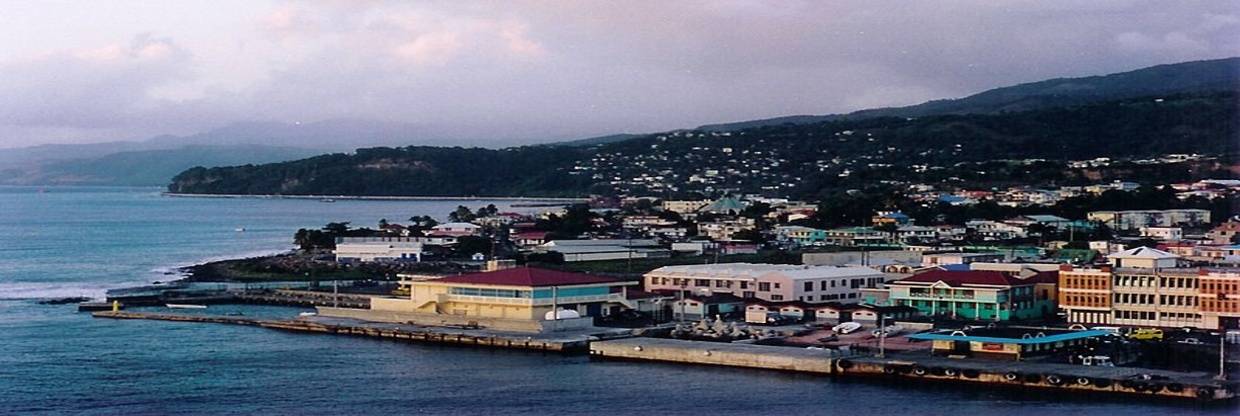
{"points": [[822, 285], [777, 297], [701, 283], [809, 286], [764, 287]]}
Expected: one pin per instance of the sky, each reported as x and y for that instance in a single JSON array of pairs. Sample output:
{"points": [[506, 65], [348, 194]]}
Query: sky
{"points": [[516, 71]]}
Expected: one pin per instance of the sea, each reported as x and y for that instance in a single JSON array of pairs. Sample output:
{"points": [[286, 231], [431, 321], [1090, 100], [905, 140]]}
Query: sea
{"points": [[81, 241]]}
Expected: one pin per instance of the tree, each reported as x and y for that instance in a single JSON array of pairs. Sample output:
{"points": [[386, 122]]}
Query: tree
{"points": [[461, 214], [338, 228]]}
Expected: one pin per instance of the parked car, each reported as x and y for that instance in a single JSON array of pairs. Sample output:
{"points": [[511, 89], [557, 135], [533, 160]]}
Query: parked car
{"points": [[1192, 341], [1146, 334]]}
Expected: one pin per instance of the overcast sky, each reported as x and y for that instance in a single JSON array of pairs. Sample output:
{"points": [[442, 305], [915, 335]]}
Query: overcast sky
{"points": [[517, 71]]}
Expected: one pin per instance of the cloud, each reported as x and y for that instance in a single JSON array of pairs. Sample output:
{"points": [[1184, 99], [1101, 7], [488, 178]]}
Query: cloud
{"points": [[522, 71]]}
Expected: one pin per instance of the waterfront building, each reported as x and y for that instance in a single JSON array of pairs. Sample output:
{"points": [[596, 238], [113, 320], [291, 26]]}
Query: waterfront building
{"points": [[510, 299], [695, 307], [1144, 287], [1012, 343], [769, 282], [985, 295], [1135, 219], [363, 250]]}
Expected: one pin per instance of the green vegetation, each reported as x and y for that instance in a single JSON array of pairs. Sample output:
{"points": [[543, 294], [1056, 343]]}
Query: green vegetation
{"points": [[811, 161]]}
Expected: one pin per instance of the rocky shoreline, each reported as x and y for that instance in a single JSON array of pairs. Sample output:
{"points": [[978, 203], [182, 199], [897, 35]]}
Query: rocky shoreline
{"points": [[302, 266]]}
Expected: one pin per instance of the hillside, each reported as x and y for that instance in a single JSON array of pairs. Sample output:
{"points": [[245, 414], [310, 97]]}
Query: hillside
{"points": [[1186, 77], [797, 160], [144, 167]]}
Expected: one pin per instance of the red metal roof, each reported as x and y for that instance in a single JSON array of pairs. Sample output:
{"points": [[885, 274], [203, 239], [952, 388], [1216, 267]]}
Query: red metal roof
{"points": [[527, 276], [980, 277]]}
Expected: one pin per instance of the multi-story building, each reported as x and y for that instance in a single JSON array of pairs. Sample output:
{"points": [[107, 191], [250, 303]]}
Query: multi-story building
{"points": [[1085, 294], [685, 207], [984, 295], [770, 282], [1144, 287], [855, 236], [724, 229], [1135, 219]]}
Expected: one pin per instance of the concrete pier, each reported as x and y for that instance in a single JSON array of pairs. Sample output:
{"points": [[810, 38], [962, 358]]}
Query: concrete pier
{"points": [[559, 342], [923, 368]]}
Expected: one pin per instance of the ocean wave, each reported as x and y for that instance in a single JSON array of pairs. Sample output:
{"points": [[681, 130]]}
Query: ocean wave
{"points": [[51, 290], [175, 269]]}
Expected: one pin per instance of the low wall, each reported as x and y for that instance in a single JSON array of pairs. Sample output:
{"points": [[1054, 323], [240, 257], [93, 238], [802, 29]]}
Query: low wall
{"points": [[715, 353], [516, 325]]}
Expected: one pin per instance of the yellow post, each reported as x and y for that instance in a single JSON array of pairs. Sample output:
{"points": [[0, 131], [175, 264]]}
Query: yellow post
{"points": [[116, 306]]}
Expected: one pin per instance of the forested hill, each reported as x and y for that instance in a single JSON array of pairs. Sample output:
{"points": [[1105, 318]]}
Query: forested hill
{"points": [[1178, 78], [795, 160]]}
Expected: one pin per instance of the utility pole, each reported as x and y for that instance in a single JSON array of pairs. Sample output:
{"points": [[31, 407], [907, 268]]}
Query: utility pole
{"points": [[882, 335], [1222, 359]]}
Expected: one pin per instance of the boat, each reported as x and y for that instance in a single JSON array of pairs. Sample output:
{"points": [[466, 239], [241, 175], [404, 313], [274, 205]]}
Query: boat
{"points": [[890, 330], [184, 306], [327, 200], [307, 314], [240, 229], [846, 328]]}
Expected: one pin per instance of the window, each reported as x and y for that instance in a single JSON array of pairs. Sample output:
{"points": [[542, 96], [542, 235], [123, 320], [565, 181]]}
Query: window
{"points": [[822, 285], [777, 297], [764, 287], [701, 283], [809, 286], [744, 285]]}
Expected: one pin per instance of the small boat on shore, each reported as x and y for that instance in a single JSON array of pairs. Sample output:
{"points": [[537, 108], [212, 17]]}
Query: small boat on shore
{"points": [[846, 328], [308, 314], [184, 306], [890, 330]]}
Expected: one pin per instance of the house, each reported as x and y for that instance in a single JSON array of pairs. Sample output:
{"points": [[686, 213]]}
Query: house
{"points": [[514, 299], [1052, 221], [983, 295], [604, 249], [862, 258], [769, 282], [801, 236], [528, 239], [725, 229], [995, 230], [456, 229]]}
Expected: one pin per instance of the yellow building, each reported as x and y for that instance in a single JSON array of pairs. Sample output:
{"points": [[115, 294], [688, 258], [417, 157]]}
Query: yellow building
{"points": [[516, 298]]}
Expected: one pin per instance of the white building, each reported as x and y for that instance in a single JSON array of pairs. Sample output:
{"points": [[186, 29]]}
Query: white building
{"points": [[1163, 233], [770, 282], [595, 250], [1135, 219], [456, 229], [370, 251], [1143, 257]]}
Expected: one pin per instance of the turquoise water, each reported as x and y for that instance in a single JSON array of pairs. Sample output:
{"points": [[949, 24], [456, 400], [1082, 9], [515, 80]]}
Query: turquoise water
{"points": [[71, 241]]}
